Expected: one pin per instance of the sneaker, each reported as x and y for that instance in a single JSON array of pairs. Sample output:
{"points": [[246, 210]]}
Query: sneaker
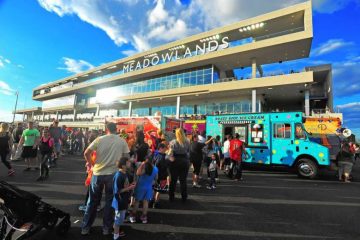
{"points": [[27, 169], [11, 172], [214, 187], [197, 186], [143, 219], [132, 219], [208, 187], [82, 208], [122, 234], [85, 231]]}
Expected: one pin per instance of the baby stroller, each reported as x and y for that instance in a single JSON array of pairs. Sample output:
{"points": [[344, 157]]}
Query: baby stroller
{"points": [[25, 214]]}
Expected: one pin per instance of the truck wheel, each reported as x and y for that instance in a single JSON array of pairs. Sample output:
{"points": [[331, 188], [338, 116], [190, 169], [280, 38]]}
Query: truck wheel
{"points": [[306, 168]]}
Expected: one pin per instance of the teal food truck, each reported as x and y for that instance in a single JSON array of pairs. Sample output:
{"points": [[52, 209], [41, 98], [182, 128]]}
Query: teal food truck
{"points": [[273, 139]]}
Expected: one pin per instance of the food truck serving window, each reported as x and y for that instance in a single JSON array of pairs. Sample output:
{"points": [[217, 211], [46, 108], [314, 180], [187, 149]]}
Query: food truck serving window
{"points": [[282, 130]]}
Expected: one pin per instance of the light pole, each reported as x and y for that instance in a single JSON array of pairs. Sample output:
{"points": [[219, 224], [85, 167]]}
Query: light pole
{"points": [[17, 97]]}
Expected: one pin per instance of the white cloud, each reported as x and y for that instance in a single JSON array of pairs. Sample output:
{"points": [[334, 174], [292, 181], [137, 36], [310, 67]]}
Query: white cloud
{"points": [[7, 115], [330, 6], [75, 66], [140, 43], [349, 105], [129, 52], [149, 23], [92, 12], [330, 46], [4, 61], [6, 89], [158, 14], [20, 66]]}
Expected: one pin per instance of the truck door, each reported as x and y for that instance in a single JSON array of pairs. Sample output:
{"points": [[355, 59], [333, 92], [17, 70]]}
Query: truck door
{"points": [[282, 144]]}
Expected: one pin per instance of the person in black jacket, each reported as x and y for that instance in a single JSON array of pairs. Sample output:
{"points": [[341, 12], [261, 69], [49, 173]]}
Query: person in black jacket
{"points": [[196, 159]]}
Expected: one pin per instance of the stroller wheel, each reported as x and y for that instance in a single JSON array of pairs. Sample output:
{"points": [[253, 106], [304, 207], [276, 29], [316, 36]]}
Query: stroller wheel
{"points": [[63, 226]]}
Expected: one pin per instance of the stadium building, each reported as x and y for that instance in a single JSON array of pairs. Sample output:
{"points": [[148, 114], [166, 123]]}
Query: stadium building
{"points": [[219, 71]]}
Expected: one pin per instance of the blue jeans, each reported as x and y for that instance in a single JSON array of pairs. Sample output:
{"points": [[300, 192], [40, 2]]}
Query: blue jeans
{"points": [[96, 188]]}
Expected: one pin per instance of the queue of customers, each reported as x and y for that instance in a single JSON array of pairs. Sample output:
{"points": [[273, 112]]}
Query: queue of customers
{"points": [[132, 169]]}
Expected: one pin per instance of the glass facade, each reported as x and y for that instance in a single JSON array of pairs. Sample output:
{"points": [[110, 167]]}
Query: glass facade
{"points": [[230, 107], [165, 110], [59, 102], [193, 77], [140, 112]]}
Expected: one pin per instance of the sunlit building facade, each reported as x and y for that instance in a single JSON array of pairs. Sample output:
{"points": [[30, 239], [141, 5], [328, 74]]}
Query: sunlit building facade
{"points": [[219, 71]]}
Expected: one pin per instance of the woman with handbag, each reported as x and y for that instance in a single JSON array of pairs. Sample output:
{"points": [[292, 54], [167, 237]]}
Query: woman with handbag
{"points": [[179, 164]]}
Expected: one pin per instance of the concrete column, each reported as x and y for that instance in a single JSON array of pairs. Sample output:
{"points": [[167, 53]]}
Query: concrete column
{"points": [[130, 109], [261, 72], [260, 106], [74, 117], [253, 101], [32, 116], [177, 107], [23, 117], [253, 67], [43, 117], [57, 115], [307, 103], [97, 110]]}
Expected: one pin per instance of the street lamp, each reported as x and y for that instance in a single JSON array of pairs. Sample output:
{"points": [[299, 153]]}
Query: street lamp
{"points": [[17, 97]]}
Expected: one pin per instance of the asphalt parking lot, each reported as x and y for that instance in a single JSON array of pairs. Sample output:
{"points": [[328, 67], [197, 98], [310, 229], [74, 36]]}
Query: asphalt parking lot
{"points": [[265, 205]]}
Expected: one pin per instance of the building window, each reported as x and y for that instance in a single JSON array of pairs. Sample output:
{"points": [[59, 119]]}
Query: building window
{"points": [[193, 77], [282, 130], [140, 112]]}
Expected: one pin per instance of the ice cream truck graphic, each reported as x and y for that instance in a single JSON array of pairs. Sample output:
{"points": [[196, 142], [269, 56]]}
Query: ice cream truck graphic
{"points": [[273, 139]]}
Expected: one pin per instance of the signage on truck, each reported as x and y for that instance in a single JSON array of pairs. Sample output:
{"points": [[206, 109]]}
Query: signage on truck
{"points": [[237, 118]]}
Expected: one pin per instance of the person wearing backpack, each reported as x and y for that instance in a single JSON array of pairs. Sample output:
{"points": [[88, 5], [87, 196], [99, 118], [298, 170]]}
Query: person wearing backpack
{"points": [[236, 149], [47, 148], [5, 143]]}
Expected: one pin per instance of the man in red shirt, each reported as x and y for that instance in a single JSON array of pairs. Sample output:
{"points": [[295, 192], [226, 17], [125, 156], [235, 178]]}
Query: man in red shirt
{"points": [[236, 149]]}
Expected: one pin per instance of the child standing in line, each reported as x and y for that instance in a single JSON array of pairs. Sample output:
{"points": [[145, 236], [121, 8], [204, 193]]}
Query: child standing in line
{"points": [[147, 173], [121, 197], [162, 164], [212, 169]]}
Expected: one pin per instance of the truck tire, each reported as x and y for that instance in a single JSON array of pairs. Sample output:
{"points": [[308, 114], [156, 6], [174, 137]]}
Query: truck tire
{"points": [[307, 168]]}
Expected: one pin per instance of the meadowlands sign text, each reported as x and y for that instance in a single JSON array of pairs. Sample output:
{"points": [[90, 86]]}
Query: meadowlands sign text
{"points": [[174, 55]]}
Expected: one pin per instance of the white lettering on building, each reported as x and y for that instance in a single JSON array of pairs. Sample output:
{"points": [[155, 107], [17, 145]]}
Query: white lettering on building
{"points": [[210, 46]]}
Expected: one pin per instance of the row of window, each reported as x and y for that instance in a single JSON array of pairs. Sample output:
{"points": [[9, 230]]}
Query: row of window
{"points": [[231, 108], [194, 77]]}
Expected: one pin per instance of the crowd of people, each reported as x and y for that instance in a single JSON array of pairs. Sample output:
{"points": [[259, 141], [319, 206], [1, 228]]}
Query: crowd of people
{"points": [[133, 168]]}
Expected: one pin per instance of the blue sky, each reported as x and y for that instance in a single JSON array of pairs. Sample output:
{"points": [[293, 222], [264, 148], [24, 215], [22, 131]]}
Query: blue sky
{"points": [[45, 40]]}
